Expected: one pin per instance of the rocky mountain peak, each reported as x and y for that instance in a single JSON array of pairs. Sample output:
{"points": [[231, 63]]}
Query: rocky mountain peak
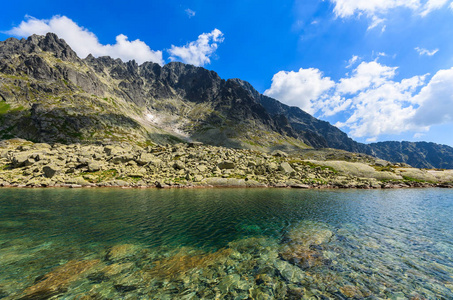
{"points": [[49, 94], [36, 43]]}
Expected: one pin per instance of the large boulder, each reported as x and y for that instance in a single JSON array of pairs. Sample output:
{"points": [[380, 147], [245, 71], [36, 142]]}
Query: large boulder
{"points": [[22, 160], [227, 164], [144, 158], [286, 168], [51, 170], [303, 245]]}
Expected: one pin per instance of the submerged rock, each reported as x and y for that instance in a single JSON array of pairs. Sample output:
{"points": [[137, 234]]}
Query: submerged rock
{"points": [[120, 252], [303, 245], [58, 280]]}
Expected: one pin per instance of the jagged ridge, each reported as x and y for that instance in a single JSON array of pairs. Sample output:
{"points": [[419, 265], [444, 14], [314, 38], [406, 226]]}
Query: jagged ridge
{"points": [[49, 94]]}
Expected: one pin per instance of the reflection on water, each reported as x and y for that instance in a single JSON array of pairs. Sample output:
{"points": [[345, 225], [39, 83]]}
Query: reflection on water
{"points": [[226, 243]]}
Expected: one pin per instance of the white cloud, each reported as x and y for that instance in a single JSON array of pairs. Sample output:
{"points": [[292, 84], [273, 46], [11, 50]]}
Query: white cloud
{"points": [[352, 61], [451, 6], [198, 53], [423, 51], [385, 108], [375, 21], [299, 88], [432, 5], [84, 42], [367, 74], [436, 100], [347, 8], [190, 13], [376, 9], [370, 101]]}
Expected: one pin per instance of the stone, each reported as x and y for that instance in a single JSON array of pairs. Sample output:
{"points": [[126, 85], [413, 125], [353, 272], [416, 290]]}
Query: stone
{"points": [[279, 153], [202, 168], [179, 165], [289, 272], [112, 150], [94, 166], [198, 178], [381, 163], [299, 186], [227, 164], [22, 160], [58, 280], [272, 166], [227, 182], [181, 263], [286, 168], [303, 245], [122, 159], [144, 158], [50, 170], [351, 291], [195, 144], [123, 251]]}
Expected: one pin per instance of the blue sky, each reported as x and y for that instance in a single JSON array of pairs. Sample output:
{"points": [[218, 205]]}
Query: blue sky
{"points": [[377, 69]]}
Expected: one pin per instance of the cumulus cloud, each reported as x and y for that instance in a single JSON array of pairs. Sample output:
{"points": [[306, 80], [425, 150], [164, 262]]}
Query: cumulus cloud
{"points": [[198, 52], [376, 9], [370, 101], [423, 51], [367, 74], [436, 100], [84, 42], [190, 13], [384, 108], [299, 88]]}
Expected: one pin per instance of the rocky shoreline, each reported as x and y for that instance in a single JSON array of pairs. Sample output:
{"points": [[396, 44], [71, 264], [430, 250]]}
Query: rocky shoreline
{"points": [[27, 164]]}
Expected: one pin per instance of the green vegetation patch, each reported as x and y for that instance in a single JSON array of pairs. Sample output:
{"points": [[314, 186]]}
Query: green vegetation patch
{"points": [[101, 176], [312, 165], [384, 169], [411, 179]]}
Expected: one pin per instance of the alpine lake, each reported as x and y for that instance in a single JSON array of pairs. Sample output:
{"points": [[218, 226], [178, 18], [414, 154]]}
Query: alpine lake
{"points": [[221, 243]]}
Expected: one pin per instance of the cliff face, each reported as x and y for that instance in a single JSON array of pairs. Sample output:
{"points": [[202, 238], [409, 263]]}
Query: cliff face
{"points": [[49, 94]]}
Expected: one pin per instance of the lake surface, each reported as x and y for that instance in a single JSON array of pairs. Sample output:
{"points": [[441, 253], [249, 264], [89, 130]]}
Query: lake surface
{"points": [[226, 243]]}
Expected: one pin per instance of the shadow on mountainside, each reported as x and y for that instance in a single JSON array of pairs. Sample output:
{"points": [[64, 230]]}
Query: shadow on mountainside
{"points": [[56, 125]]}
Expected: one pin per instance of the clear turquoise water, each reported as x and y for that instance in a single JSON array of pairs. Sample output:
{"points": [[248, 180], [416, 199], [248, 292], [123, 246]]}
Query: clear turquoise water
{"points": [[385, 244]]}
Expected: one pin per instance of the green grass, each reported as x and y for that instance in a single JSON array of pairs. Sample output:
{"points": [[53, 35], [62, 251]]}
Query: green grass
{"points": [[4, 108], [381, 169], [312, 165], [103, 175], [411, 179]]}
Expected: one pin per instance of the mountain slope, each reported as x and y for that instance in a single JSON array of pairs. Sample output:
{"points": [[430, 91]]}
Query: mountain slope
{"points": [[321, 134], [419, 154], [49, 94]]}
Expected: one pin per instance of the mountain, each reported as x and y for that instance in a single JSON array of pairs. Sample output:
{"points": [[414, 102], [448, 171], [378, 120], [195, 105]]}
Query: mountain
{"points": [[321, 134], [49, 94], [419, 154]]}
